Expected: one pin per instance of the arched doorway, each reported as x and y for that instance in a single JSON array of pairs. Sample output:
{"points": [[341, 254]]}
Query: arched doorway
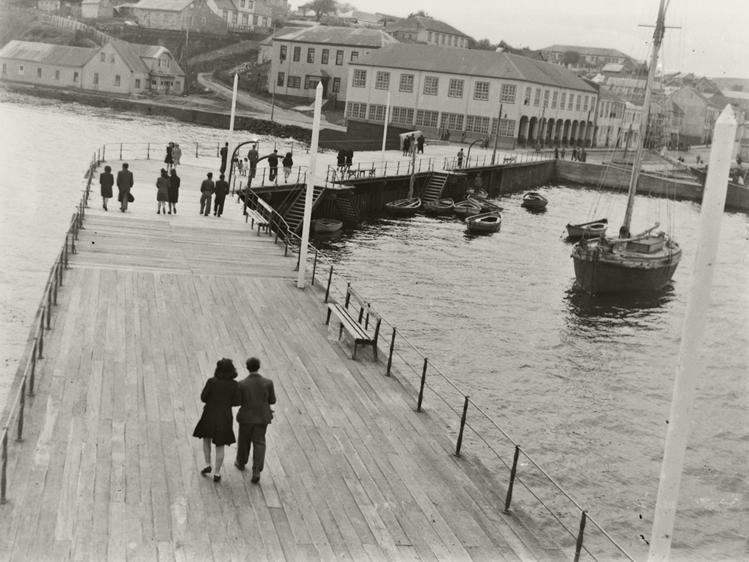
{"points": [[523, 130], [549, 131], [573, 134], [566, 135], [532, 130], [558, 132]]}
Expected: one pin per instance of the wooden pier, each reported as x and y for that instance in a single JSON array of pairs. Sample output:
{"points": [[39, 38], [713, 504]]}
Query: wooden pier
{"points": [[108, 468]]}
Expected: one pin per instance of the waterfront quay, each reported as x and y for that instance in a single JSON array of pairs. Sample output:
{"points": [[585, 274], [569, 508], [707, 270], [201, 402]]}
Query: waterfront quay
{"points": [[98, 457]]}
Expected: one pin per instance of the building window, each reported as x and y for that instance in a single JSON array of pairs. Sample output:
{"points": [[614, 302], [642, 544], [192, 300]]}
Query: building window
{"points": [[311, 55], [283, 52], [96, 78], [537, 97], [294, 82], [311, 82], [5, 69], [431, 85], [116, 79], [39, 72], [402, 115], [452, 121], [429, 36], [455, 88], [339, 58], [376, 112], [103, 57], [506, 127], [546, 98], [246, 20], [75, 77], [137, 83], [554, 98], [563, 100], [360, 79], [357, 110], [481, 91], [477, 124], [354, 56], [406, 83], [280, 79], [571, 101], [427, 118], [325, 55], [577, 102], [527, 100], [585, 104], [297, 54], [111, 59], [382, 81], [336, 85]]}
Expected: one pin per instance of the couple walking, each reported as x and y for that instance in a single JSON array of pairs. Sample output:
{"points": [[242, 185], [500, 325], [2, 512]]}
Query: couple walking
{"points": [[254, 396]]}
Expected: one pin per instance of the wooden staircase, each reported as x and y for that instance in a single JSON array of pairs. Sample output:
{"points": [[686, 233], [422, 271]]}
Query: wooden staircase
{"points": [[349, 213], [295, 212], [434, 187]]}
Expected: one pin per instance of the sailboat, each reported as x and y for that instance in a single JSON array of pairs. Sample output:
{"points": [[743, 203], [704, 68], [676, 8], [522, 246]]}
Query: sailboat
{"points": [[630, 263]]}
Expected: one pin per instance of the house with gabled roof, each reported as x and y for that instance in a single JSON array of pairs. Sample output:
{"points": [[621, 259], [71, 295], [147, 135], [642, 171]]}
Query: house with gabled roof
{"points": [[464, 91], [194, 15], [243, 15], [590, 58], [321, 54], [699, 114], [117, 67], [96, 9], [423, 29]]}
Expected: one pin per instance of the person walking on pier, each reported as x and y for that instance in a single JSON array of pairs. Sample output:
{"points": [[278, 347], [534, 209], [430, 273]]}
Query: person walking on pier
{"points": [[273, 165], [224, 154], [162, 192], [256, 394], [406, 145], [215, 425], [174, 182], [349, 159], [169, 158], [176, 154], [206, 192], [341, 160], [106, 181], [420, 144], [287, 164], [124, 185], [460, 158], [252, 157], [222, 189]]}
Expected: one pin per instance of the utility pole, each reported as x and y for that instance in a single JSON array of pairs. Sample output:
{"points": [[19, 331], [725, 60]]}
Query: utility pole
{"points": [[496, 132]]}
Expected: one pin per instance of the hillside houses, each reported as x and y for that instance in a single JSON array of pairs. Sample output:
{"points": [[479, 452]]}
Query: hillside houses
{"points": [[194, 15], [243, 15]]}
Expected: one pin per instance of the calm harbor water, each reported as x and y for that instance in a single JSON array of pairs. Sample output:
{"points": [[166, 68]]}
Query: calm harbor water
{"points": [[584, 384]]}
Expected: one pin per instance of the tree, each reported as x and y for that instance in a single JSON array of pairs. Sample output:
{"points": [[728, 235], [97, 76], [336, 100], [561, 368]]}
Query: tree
{"points": [[570, 57], [483, 45], [421, 13], [320, 7]]}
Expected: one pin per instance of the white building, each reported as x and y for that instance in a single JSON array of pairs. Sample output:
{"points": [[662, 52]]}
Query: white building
{"points": [[438, 89], [609, 119], [301, 59], [243, 15]]}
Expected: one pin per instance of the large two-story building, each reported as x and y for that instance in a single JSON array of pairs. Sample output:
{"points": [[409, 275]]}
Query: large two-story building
{"points": [[578, 57], [463, 92], [321, 54]]}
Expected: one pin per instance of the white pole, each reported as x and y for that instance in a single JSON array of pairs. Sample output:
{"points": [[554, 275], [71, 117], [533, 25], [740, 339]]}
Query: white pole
{"points": [[231, 120], [679, 419], [385, 128], [311, 177]]}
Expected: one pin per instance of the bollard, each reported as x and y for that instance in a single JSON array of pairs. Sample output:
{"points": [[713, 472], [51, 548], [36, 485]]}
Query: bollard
{"points": [[462, 427], [19, 436], [330, 279], [32, 376], [513, 472], [390, 356], [4, 470], [423, 382], [148, 151], [579, 544], [314, 268]]}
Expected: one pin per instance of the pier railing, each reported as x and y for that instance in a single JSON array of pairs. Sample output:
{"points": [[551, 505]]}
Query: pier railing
{"points": [[157, 150], [378, 169], [471, 425], [25, 382]]}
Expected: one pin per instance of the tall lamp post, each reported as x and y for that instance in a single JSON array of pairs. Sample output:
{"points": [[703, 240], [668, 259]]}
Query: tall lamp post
{"points": [[496, 133]]}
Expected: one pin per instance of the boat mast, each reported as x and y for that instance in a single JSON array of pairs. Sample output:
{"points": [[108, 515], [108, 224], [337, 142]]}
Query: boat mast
{"points": [[657, 40]]}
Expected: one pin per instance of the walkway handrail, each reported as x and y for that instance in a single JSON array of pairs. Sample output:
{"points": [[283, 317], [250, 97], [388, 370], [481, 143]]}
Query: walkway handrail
{"points": [[292, 240], [26, 382], [157, 150], [375, 169]]}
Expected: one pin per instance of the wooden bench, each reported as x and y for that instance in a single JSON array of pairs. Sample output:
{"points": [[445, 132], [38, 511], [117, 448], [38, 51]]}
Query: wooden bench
{"points": [[356, 316], [254, 217]]}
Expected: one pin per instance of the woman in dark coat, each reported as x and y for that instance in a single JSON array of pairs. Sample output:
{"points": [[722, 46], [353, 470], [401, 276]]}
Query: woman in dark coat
{"points": [[169, 158], [174, 182], [106, 181], [219, 394], [162, 191]]}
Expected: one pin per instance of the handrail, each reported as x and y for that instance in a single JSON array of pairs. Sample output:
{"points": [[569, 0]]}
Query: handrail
{"points": [[292, 240], [26, 381]]}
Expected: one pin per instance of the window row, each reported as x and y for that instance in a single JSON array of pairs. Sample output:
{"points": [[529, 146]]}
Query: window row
{"points": [[446, 39], [296, 55], [74, 75], [575, 101], [310, 82]]}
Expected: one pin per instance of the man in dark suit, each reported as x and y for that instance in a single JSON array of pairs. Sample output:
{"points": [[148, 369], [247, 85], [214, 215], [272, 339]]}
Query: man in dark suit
{"points": [[256, 395], [124, 184]]}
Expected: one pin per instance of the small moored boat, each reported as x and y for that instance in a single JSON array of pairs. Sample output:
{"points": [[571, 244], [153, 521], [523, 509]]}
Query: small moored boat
{"points": [[327, 225], [439, 207], [403, 207], [590, 229], [484, 222], [534, 200], [467, 208], [486, 206]]}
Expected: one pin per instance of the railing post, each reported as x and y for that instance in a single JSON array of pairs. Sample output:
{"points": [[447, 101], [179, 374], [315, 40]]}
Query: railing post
{"points": [[41, 337], [513, 472], [196, 150], [19, 435], [57, 282], [103, 152], [32, 376], [390, 355], [423, 382], [65, 253], [385, 171], [148, 151], [580, 532], [462, 427], [314, 268], [120, 151], [398, 168], [49, 307], [4, 469], [330, 280]]}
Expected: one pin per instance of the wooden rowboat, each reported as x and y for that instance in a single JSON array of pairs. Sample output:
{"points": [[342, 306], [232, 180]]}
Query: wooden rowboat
{"points": [[327, 225], [486, 206], [439, 207], [533, 200], [403, 207], [484, 222], [467, 208], [590, 229]]}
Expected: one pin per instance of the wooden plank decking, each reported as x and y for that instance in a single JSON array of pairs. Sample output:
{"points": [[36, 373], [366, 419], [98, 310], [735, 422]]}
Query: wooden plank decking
{"points": [[108, 468]]}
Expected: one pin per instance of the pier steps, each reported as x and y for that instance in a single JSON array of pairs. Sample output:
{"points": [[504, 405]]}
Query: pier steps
{"points": [[348, 211], [108, 468], [294, 214], [434, 187]]}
